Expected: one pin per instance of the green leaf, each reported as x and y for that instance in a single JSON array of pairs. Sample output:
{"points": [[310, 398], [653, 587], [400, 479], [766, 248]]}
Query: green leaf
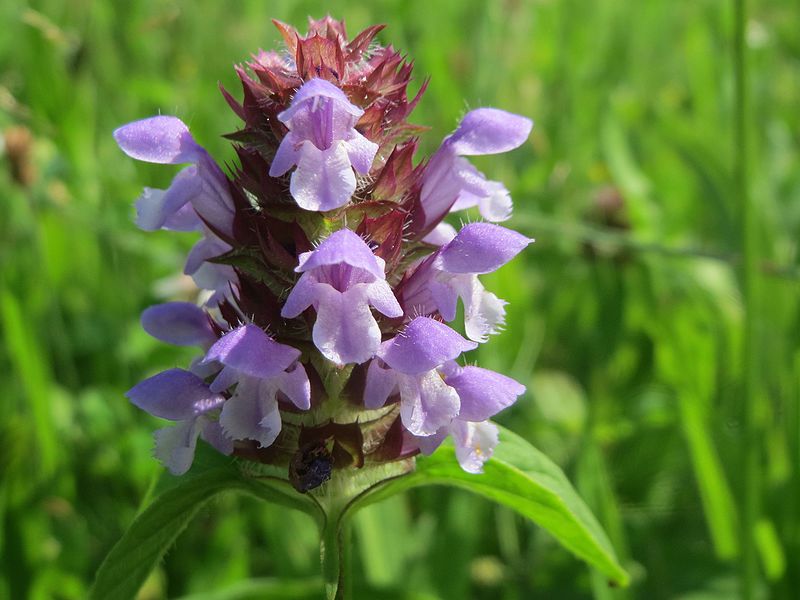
{"points": [[524, 479], [155, 529], [261, 589]]}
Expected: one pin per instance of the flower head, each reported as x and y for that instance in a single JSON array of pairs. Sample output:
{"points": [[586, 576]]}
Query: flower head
{"points": [[322, 326]]}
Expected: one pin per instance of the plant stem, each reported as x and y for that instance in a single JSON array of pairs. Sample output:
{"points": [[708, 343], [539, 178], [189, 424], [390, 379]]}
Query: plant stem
{"points": [[335, 557], [750, 466], [330, 556]]}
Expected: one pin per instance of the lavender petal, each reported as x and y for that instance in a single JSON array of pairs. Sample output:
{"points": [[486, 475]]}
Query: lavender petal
{"points": [[161, 139], [427, 403], [489, 131], [175, 394], [481, 248], [423, 345], [175, 445], [252, 352], [475, 443], [178, 323], [483, 393]]}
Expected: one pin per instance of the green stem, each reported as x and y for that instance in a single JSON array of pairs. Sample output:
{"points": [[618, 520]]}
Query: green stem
{"points": [[750, 462], [335, 558], [331, 555]]}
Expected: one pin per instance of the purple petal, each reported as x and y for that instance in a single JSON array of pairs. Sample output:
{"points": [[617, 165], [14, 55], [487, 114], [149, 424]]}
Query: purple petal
{"points": [[380, 384], [175, 394], [484, 314], [324, 179], [342, 247], [213, 201], [423, 345], [489, 131], [175, 445], [213, 434], [184, 219], [491, 197], [475, 443], [217, 278], [252, 414], [319, 87], [481, 248], [382, 298], [206, 248], [251, 351], [442, 183], [204, 370], [150, 213], [179, 323], [225, 378], [497, 206], [183, 188], [445, 297], [162, 139], [170, 209], [414, 292], [294, 383], [216, 296], [303, 294], [287, 156], [361, 152], [345, 330], [427, 403], [483, 393], [428, 444]]}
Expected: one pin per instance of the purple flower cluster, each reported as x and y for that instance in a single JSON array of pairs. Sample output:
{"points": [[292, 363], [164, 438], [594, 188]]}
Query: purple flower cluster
{"points": [[330, 273]]}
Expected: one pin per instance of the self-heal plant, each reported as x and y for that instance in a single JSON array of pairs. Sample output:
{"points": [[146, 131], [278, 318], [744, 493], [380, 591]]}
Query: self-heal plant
{"points": [[328, 370]]}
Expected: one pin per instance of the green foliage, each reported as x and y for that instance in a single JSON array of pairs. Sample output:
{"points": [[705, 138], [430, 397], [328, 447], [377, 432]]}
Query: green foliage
{"points": [[525, 480], [517, 476], [625, 318], [154, 531]]}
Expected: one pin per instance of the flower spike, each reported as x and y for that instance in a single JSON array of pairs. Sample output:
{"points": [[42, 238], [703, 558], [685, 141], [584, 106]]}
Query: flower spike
{"points": [[328, 272]]}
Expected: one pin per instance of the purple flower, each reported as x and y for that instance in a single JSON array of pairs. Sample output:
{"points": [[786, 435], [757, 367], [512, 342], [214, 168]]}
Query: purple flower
{"points": [[323, 143], [341, 279], [197, 199], [409, 364], [181, 396], [482, 394], [203, 187], [261, 369], [474, 441], [217, 278], [450, 182], [452, 273]]}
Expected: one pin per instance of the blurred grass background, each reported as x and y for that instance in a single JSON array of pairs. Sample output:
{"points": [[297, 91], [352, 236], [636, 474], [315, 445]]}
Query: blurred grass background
{"points": [[626, 317]]}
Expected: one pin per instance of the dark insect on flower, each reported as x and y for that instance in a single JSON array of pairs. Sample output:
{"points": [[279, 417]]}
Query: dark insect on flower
{"points": [[311, 466]]}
